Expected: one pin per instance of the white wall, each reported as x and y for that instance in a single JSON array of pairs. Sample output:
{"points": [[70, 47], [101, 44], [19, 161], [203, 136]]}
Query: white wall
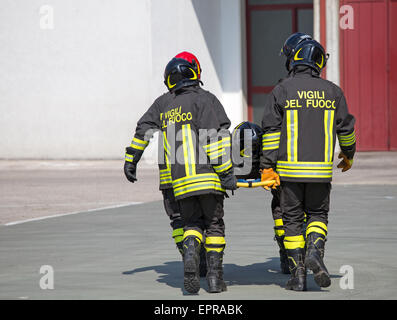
{"points": [[77, 90]]}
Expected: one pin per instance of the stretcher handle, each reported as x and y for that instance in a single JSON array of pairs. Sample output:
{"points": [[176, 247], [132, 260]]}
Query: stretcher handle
{"points": [[254, 183]]}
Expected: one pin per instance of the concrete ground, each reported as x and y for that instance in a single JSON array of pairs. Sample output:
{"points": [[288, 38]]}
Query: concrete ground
{"points": [[126, 252]]}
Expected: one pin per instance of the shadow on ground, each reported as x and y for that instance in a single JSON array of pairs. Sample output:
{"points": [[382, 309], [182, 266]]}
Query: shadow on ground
{"points": [[261, 273]]}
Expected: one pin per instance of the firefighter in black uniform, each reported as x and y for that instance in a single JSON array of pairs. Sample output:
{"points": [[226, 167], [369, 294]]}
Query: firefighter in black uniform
{"points": [[197, 164], [302, 117], [171, 206]]}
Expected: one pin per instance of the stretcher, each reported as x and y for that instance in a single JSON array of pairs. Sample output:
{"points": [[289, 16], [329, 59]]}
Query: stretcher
{"points": [[253, 183]]}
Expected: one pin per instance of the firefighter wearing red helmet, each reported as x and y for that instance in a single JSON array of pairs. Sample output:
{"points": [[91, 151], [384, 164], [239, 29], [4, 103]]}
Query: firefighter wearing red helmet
{"points": [[302, 117], [198, 182]]}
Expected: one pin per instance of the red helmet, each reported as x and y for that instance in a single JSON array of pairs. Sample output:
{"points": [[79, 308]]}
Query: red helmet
{"points": [[192, 59], [182, 71]]}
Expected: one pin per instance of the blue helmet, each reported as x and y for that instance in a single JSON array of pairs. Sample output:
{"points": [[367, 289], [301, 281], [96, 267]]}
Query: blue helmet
{"points": [[291, 43], [309, 53]]}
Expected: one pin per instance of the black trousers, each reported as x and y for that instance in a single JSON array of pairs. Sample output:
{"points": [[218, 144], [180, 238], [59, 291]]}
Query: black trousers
{"points": [[298, 198], [275, 205], [204, 213], [172, 209]]}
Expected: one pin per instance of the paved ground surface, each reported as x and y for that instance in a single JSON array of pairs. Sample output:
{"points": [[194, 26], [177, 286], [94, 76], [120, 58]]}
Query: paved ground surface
{"points": [[127, 252], [32, 189]]}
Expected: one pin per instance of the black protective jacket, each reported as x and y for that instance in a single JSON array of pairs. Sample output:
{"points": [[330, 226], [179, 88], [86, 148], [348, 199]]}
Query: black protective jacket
{"points": [[194, 144], [302, 117]]}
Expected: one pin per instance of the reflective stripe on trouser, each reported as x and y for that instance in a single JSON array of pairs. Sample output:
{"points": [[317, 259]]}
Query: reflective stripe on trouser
{"points": [[193, 233], [215, 244], [178, 235], [278, 227], [294, 242], [298, 198], [203, 213], [318, 227]]}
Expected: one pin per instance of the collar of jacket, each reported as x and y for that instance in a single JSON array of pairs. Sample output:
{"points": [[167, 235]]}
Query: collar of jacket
{"points": [[183, 90], [303, 71]]}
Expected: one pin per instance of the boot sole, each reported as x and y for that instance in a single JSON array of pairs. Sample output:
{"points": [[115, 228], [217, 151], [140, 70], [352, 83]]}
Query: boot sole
{"points": [[191, 281], [321, 277]]}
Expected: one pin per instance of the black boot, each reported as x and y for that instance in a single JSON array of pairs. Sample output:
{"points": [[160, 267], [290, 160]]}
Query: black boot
{"points": [[297, 282], [203, 262], [215, 272], [314, 258], [179, 246], [283, 255], [191, 262]]}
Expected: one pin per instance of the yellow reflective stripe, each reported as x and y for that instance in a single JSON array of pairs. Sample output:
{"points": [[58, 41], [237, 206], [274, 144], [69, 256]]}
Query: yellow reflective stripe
{"points": [[294, 242], [318, 224], [188, 150], [198, 187], [167, 152], [202, 185], [165, 175], [315, 229], [279, 233], [223, 167], [225, 142], [139, 144], [178, 239], [304, 165], [271, 145], [196, 178], [278, 222], [177, 232], [217, 153], [304, 173], [185, 151], [139, 141], [329, 136], [215, 240], [215, 244], [129, 157], [348, 140], [193, 233], [271, 136], [191, 147], [214, 249], [294, 245], [295, 238], [348, 136], [292, 135]]}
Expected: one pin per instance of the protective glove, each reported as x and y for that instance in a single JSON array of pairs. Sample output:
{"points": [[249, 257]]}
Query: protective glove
{"points": [[268, 175], [228, 180], [130, 171], [346, 163]]}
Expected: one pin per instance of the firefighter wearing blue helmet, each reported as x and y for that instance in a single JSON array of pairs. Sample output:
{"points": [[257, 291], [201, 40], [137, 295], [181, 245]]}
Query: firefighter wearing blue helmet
{"points": [[302, 117]]}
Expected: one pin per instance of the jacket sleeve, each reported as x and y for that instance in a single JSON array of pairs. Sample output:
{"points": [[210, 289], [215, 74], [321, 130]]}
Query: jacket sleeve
{"points": [[345, 128], [271, 126], [146, 126], [217, 142]]}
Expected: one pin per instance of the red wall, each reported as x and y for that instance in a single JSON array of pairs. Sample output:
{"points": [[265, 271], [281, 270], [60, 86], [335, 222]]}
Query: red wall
{"points": [[368, 72]]}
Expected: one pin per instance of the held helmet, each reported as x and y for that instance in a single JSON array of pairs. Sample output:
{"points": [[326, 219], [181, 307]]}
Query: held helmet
{"points": [[290, 45], [310, 53], [182, 71], [247, 147]]}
